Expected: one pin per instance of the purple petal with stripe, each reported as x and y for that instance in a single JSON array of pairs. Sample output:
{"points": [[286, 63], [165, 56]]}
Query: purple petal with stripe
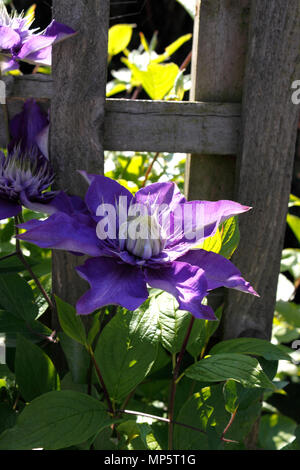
{"points": [[112, 283], [62, 232], [186, 283], [219, 271]]}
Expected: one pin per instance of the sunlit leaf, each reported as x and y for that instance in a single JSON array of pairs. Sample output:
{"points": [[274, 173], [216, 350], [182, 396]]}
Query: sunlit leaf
{"points": [[119, 37]]}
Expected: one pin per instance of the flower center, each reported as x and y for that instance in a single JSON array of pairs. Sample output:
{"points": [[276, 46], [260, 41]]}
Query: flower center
{"points": [[24, 171], [142, 236]]}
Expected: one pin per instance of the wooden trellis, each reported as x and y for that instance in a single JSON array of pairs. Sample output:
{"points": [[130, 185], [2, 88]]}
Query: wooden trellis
{"points": [[239, 127]]}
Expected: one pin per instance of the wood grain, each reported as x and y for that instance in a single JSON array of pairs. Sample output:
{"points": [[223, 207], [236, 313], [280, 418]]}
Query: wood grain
{"points": [[77, 114], [218, 62], [165, 126], [266, 161]]}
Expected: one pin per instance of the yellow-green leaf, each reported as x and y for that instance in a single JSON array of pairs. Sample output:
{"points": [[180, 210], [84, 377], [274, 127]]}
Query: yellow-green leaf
{"points": [[119, 37]]}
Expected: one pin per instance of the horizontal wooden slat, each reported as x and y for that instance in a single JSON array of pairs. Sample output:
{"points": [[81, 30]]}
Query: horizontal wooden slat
{"points": [[141, 125], [165, 126], [28, 86]]}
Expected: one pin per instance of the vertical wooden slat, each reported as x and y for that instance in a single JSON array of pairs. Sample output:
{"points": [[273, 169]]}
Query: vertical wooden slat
{"points": [[77, 114], [266, 161], [219, 49]]}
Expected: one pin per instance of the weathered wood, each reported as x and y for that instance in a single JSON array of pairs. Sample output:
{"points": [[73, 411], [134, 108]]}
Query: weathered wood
{"points": [[22, 87], [77, 114], [163, 126], [211, 128], [219, 49], [266, 161]]}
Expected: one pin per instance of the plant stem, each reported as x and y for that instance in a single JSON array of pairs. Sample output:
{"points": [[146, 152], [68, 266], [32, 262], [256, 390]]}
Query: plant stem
{"points": [[98, 372], [159, 418], [173, 383], [149, 169], [8, 256], [233, 415], [22, 258], [186, 61]]}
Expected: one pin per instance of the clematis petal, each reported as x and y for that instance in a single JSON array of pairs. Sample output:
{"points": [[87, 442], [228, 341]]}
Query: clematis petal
{"points": [[42, 141], [38, 49], [9, 39], [107, 191], [219, 271], [186, 283], [111, 283], [62, 232], [58, 30], [198, 220], [7, 64], [9, 209], [161, 193], [27, 125]]}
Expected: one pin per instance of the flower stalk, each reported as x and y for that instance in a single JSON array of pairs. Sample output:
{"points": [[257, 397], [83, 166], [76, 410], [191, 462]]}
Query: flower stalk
{"points": [[22, 258], [174, 383]]}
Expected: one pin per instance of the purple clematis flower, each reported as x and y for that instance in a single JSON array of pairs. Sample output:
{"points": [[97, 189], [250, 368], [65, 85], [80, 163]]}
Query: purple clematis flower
{"points": [[26, 174], [19, 42], [111, 228]]}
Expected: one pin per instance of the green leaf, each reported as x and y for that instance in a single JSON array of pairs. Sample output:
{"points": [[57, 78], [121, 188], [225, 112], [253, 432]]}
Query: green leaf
{"points": [[172, 322], [195, 412], [220, 367], [290, 261], [257, 347], [77, 357], [201, 333], [157, 80], [276, 431], [294, 223], [56, 420], [230, 236], [16, 297], [13, 326], [7, 417], [69, 321], [119, 37], [213, 243], [177, 44], [35, 372], [126, 351], [290, 312]]}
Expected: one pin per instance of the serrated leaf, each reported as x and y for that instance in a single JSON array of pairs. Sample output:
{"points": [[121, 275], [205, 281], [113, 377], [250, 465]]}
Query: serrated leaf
{"points": [[126, 351], [244, 369], [16, 297], [35, 372], [70, 322], [172, 322], [56, 420], [257, 347]]}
